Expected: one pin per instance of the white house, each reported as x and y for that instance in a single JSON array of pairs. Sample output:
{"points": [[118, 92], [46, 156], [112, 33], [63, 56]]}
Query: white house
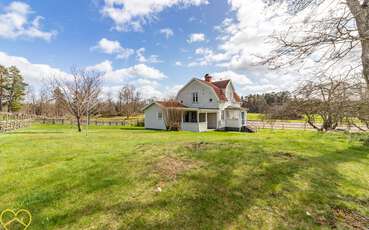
{"points": [[206, 105]]}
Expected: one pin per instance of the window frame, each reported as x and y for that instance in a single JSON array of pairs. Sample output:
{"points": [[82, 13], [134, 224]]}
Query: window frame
{"points": [[160, 118], [195, 97]]}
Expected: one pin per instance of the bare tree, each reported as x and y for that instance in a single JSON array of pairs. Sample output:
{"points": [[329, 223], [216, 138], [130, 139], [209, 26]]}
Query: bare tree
{"points": [[129, 100], [335, 35], [326, 101], [80, 94], [172, 115]]}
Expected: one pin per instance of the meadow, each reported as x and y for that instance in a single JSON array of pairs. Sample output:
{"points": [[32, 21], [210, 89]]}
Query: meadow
{"points": [[131, 178]]}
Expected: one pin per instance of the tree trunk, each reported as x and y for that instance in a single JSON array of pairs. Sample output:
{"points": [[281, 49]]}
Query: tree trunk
{"points": [[361, 14], [79, 124], [365, 60]]}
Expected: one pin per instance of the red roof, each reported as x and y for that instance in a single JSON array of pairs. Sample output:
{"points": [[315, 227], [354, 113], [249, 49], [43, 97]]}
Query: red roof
{"points": [[171, 104], [219, 88], [218, 91], [221, 84]]}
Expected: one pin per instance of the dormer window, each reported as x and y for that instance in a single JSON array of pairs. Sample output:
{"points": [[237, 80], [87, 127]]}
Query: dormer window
{"points": [[195, 97]]}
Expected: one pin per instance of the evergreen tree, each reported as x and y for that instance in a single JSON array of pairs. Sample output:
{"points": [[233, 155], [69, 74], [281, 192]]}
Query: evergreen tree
{"points": [[16, 90], [3, 85]]}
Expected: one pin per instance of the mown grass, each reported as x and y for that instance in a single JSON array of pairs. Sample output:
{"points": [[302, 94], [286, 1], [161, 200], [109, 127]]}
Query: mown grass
{"points": [[109, 179]]}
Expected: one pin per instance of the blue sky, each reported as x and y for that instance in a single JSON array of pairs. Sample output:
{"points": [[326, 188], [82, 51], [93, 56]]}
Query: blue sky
{"points": [[155, 45]]}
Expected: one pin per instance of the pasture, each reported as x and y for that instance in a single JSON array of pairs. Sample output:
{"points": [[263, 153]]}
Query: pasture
{"points": [[130, 178]]}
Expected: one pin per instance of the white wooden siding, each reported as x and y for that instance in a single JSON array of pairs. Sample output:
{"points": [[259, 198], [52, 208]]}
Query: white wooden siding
{"points": [[205, 93], [151, 118]]}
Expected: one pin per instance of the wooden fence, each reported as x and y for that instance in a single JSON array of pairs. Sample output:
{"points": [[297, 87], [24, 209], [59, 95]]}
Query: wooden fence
{"points": [[63, 121], [11, 121], [295, 125]]}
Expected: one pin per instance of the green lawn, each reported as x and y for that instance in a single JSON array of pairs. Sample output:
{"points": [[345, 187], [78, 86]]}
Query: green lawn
{"points": [[110, 178]]}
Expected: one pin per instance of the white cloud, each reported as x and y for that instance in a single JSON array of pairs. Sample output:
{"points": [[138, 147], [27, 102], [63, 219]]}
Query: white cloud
{"points": [[133, 14], [244, 38], [143, 77], [113, 47], [237, 79], [167, 32], [196, 37], [15, 22], [178, 63], [103, 67], [151, 59], [112, 76], [34, 74], [207, 57]]}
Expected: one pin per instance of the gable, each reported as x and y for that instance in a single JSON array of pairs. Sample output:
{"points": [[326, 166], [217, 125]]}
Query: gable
{"points": [[194, 82], [223, 90]]}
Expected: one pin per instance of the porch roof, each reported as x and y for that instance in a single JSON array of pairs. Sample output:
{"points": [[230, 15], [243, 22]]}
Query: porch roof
{"points": [[201, 110], [235, 108]]}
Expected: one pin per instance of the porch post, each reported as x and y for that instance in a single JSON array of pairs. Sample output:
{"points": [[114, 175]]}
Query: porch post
{"points": [[206, 117], [198, 116]]}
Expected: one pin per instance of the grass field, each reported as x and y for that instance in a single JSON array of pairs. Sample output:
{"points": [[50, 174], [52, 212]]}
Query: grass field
{"points": [[259, 116], [110, 179]]}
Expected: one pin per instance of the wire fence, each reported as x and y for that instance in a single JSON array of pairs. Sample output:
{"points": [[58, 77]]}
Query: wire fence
{"points": [[66, 121]]}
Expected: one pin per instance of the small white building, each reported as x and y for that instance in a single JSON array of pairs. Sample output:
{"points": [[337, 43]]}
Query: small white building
{"points": [[205, 105]]}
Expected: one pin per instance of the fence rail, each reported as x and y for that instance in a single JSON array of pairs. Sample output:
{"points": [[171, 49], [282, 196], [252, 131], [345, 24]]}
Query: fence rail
{"points": [[296, 125], [11, 121], [63, 121]]}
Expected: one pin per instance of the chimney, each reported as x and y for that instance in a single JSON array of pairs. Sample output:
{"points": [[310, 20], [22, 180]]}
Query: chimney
{"points": [[208, 78]]}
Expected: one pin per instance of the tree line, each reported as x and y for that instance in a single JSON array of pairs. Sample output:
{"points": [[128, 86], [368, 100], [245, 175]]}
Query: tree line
{"points": [[80, 96], [12, 89]]}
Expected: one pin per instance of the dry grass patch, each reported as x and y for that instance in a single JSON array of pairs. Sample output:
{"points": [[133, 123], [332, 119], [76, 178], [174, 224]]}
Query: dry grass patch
{"points": [[284, 155], [169, 167], [350, 218]]}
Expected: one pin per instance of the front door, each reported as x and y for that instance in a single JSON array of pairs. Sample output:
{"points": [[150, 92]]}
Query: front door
{"points": [[212, 120]]}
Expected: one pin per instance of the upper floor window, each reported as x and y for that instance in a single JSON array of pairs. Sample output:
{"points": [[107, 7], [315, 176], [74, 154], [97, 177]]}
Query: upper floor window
{"points": [[195, 97]]}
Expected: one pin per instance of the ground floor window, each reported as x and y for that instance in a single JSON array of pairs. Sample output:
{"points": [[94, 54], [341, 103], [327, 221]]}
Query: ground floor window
{"points": [[190, 116], [202, 117], [160, 116], [233, 114]]}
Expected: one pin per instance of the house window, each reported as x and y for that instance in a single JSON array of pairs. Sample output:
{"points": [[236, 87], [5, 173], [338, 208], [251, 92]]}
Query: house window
{"points": [[195, 97], [160, 116], [190, 116], [222, 115], [233, 114], [211, 99], [202, 117]]}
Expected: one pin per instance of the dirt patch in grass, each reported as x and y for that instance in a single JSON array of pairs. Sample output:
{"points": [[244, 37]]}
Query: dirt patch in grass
{"points": [[203, 146], [351, 218], [198, 146], [343, 217], [284, 155], [169, 167]]}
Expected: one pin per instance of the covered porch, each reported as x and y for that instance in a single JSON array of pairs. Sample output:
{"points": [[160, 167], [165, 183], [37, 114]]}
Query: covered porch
{"points": [[234, 118], [199, 120]]}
